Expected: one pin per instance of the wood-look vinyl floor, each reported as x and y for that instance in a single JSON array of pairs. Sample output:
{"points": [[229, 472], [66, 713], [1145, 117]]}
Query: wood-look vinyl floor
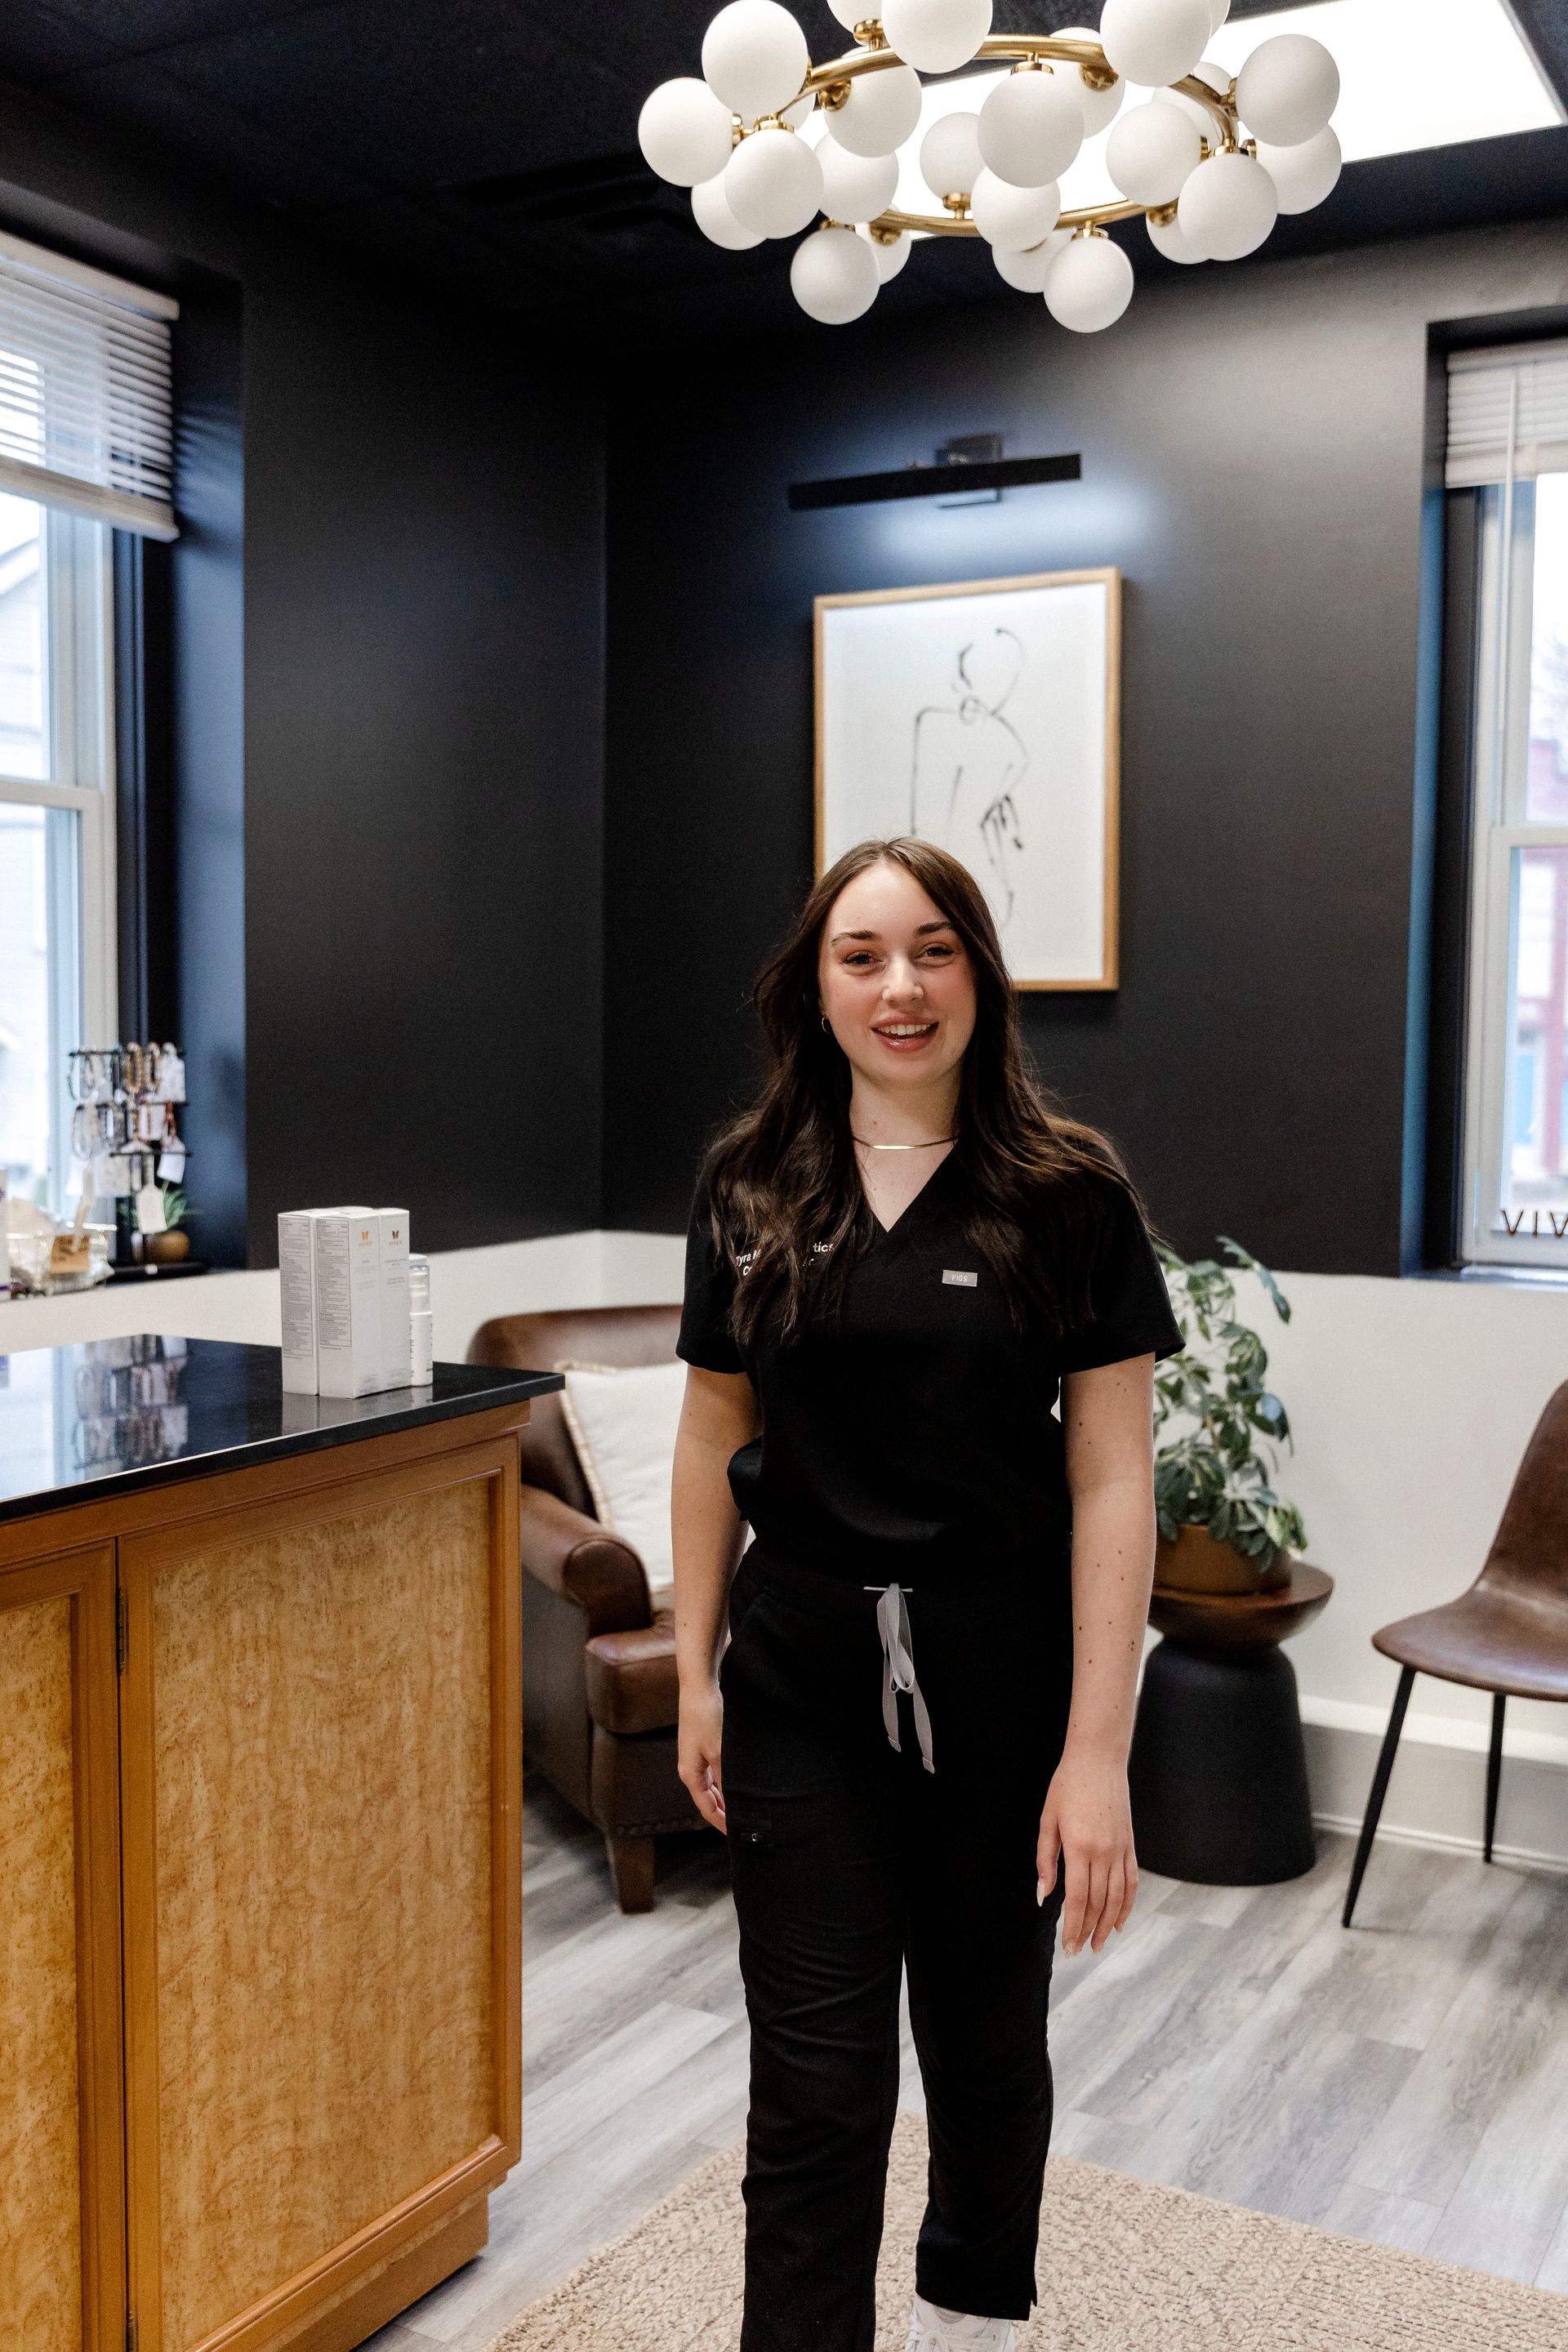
{"points": [[1405, 2082]]}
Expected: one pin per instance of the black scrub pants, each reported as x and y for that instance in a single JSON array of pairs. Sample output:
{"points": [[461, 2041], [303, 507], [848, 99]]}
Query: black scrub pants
{"points": [[852, 1862]]}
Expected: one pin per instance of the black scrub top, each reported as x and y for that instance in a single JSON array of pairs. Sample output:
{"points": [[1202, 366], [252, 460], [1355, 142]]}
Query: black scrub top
{"points": [[918, 1430]]}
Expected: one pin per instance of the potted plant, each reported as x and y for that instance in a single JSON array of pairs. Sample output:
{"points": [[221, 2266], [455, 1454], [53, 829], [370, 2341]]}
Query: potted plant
{"points": [[172, 1243], [1222, 1526]]}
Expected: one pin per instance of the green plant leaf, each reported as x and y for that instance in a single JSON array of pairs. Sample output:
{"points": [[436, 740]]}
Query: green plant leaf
{"points": [[1254, 1265]]}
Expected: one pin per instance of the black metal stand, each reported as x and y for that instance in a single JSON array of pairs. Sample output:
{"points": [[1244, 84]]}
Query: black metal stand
{"points": [[1218, 1767]]}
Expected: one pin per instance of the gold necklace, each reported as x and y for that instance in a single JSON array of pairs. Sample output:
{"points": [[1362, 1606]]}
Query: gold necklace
{"points": [[868, 1146]]}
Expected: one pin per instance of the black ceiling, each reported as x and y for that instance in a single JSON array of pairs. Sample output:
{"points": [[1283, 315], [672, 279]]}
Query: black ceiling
{"points": [[492, 143]]}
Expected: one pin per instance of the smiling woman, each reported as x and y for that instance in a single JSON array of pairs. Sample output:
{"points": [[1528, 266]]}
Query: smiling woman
{"points": [[898, 1261]]}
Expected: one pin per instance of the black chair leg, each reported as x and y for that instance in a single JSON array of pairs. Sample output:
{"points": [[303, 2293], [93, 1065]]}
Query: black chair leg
{"points": [[1379, 1787], [1494, 1767]]}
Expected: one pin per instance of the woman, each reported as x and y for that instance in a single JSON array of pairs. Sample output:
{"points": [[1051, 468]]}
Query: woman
{"points": [[916, 1738]]}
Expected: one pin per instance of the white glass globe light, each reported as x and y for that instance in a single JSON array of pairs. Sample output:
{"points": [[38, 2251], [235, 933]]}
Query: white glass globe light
{"points": [[1031, 128], [1029, 270], [949, 156], [1227, 207], [798, 115], [684, 131], [834, 276], [1088, 285], [936, 36], [1013, 218], [1100, 106], [881, 113], [1154, 41], [772, 183], [856, 187], [1287, 90], [1218, 80], [890, 253], [710, 209], [1303, 175], [1169, 238], [1150, 152], [755, 58], [1219, 11]]}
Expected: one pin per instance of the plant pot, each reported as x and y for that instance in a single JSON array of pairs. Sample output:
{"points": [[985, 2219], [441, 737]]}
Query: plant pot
{"points": [[1196, 1563], [167, 1249]]}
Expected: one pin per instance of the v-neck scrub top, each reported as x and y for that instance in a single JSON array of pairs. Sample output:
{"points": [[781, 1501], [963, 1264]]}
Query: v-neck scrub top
{"points": [[918, 1432]]}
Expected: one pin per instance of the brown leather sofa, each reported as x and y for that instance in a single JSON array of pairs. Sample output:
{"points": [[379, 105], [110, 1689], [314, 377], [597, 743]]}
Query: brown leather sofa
{"points": [[599, 1693]]}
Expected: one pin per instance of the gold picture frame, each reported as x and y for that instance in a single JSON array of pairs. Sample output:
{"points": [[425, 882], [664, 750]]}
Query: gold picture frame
{"points": [[869, 719]]}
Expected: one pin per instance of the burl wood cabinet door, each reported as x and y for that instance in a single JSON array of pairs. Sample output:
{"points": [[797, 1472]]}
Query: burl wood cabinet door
{"points": [[62, 2277], [318, 1716]]}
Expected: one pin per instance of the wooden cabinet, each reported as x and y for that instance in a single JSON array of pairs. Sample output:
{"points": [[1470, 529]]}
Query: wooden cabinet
{"points": [[266, 2107], [62, 2279]]}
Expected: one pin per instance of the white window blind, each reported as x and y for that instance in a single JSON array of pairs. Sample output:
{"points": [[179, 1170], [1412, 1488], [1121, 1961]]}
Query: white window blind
{"points": [[85, 407], [1508, 414]]}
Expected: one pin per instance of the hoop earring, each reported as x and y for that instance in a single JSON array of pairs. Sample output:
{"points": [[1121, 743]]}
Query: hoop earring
{"points": [[825, 1021]]}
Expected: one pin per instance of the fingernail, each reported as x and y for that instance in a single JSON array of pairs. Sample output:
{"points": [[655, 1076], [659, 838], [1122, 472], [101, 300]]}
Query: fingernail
{"points": [[1039, 1890]]}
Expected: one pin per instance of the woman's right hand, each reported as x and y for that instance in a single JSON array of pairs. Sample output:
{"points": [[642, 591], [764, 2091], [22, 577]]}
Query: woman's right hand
{"points": [[698, 1745]]}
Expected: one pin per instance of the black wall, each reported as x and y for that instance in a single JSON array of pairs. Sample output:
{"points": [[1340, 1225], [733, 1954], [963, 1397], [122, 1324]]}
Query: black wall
{"points": [[1253, 459], [388, 666]]}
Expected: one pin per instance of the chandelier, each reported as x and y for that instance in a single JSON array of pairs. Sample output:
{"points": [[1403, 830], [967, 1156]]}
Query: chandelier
{"points": [[1209, 160]]}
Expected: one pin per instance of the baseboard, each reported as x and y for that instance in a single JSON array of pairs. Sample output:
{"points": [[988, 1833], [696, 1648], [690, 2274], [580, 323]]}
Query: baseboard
{"points": [[1441, 1841], [1437, 1796]]}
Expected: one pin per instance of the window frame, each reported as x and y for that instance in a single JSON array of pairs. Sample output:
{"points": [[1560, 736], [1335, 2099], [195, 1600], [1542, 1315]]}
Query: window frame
{"points": [[1499, 830], [78, 669]]}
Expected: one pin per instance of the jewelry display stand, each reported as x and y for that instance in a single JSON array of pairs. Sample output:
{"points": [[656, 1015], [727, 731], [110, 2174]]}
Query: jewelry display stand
{"points": [[125, 1135]]}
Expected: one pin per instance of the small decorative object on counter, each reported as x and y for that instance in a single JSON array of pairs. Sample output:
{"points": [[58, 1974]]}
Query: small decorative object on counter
{"points": [[165, 1239], [343, 1286], [421, 1329], [125, 1132], [1223, 1529], [43, 1256]]}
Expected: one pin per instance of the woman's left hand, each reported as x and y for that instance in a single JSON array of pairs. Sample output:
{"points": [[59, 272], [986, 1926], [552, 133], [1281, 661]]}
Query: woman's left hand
{"points": [[1086, 1830]]}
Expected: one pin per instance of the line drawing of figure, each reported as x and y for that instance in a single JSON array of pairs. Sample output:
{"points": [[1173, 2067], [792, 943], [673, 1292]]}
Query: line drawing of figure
{"points": [[968, 763]]}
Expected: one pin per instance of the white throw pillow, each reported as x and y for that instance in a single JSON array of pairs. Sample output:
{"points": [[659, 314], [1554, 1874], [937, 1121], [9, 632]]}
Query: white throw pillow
{"points": [[623, 1420]]}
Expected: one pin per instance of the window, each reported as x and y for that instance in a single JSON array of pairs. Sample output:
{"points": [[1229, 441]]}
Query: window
{"points": [[1508, 445], [85, 447], [57, 830]]}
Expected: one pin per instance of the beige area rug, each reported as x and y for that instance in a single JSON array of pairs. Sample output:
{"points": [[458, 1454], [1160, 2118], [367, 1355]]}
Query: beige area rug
{"points": [[1124, 2267]]}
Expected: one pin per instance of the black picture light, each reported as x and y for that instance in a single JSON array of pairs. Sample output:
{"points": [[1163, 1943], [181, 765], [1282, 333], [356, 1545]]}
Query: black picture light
{"points": [[967, 475]]}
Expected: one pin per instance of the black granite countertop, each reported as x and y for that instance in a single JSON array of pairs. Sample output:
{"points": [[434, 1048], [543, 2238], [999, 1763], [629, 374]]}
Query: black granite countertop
{"points": [[113, 1416]]}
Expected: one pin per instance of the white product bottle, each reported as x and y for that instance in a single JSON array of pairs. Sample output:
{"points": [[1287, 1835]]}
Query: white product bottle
{"points": [[421, 1334]]}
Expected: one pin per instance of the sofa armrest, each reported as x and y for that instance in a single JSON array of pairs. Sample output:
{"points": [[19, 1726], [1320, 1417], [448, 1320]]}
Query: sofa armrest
{"points": [[573, 1555], [631, 1679]]}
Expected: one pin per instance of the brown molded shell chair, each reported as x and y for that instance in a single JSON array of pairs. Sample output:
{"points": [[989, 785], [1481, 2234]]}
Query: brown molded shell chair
{"points": [[1508, 1634], [600, 1696]]}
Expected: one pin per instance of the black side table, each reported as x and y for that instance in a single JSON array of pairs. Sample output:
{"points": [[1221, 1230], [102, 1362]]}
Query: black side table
{"points": [[1219, 1769]]}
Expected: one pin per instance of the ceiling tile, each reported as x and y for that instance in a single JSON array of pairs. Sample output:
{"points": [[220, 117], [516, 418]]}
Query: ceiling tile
{"points": [[38, 43], [267, 162], [462, 92], [137, 27]]}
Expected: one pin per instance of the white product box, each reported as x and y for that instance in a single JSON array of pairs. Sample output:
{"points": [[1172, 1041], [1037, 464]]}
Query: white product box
{"points": [[297, 1288], [393, 1224], [349, 1348]]}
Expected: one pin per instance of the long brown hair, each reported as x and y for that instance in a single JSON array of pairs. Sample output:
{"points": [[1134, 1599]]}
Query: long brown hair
{"points": [[786, 1196]]}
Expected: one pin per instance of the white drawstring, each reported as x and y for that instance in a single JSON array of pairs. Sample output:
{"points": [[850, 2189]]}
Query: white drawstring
{"points": [[898, 1665]]}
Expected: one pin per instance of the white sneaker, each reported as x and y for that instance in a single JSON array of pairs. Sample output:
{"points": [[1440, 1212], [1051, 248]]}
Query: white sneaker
{"points": [[934, 2329]]}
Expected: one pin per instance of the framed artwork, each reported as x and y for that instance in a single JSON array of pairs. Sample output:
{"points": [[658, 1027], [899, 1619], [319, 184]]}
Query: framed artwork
{"points": [[986, 716]]}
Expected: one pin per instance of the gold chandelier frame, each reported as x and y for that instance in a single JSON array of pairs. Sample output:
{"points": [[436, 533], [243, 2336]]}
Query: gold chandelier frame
{"points": [[830, 84]]}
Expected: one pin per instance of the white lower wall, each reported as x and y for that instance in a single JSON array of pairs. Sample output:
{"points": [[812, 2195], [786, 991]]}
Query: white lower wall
{"points": [[1411, 1402]]}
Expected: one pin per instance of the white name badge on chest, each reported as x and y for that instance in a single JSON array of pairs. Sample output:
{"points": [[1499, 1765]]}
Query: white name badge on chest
{"points": [[959, 1279]]}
